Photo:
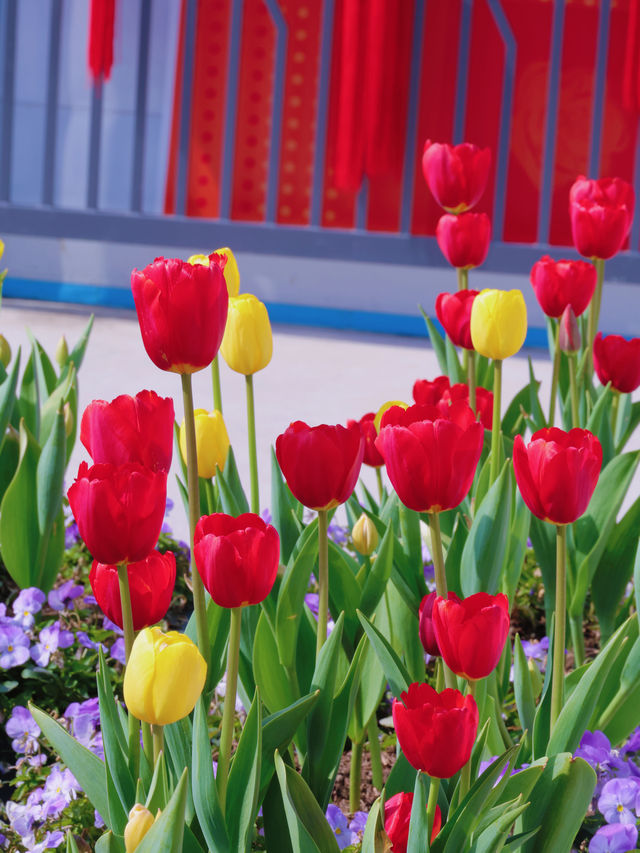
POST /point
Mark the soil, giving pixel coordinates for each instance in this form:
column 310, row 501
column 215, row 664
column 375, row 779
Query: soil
column 368, row 794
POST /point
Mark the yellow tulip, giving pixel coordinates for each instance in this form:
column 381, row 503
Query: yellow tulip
column 231, row 271
column 212, row 442
column 365, row 535
column 1, row 248
column 164, row 677
column 498, row 323
column 140, row 822
column 247, row 344
column 383, row 408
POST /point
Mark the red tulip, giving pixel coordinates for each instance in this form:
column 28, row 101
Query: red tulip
column 118, row 510
column 471, row 632
column 151, row 583
column 237, row 557
column 557, row 472
column 320, row 464
column 130, row 429
column 431, row 453
column 569, row 338
column 427, row 393
column 464, row 239
column 397, row 817
column 561, row 283
column 484, row 401
column 369, row 434
column 425, row 625
column 436, row 731
column 454, row 312
column 617, row 360
column 182, row 311
column 601, row 213
column 456, row 174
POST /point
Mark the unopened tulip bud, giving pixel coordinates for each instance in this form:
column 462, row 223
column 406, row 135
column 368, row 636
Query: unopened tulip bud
column 140, row 822
column 212, row 442
column 365, row 536
column 62, row 351
column 569, row 332
column 5, row 351
column 69, row 420
column 536, row 678
column 247, row 344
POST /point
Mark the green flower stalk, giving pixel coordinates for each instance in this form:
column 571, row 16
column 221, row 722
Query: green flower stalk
column 228, row 716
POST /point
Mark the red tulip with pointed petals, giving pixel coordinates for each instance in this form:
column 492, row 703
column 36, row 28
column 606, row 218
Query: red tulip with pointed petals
column 397, row 818
column 558, row 284
column 369, row 433
column 617, row 360
column 454, row 312
column 456, row 174
column 601, row 213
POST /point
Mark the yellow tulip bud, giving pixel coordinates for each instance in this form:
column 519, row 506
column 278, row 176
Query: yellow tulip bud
column 231, row 271
column 62, row 352
column 212, row 442
column 498, row 323
column 5, row 351
column 247, row 344
column 140, row 822
column 164, row 677
column 1, row 248
column 68, row 419
column 365, row 535
column 383, row 408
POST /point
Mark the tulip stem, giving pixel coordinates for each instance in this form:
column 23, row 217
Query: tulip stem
column 594, row 311
column 158, row 741
column 129, row 635
column 147, row 742
column 615, row 408
column 557, row 683
column 441, row 577
column 463, row 278
column 323, row 578
column 228, row 715
column 575, row 409
column 465, row 773
column 193, row 487
column 355, row 776
column 375, row 754
column 554, row 375
column 253, row 453
column 432, row 802
column 577, row 640
column 215, row 381
column 495, row 428
column 380, row 486
column 471, row 378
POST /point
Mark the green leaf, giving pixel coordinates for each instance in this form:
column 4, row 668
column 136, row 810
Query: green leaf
column 8, row 396
column 558, row 803
column 454, row 368
column 85, row 766
column 486, row 546
column 203, row 786
column 158, row 789
column 291, row 597
column 110, row 843
column 308, row 827
column 453, row 559
column 629, row 427
column 344, row 593
column 522, row 687
column 115, row 740
column 234, row 501
column 271, row 677
column 437, row 342
column 19, row 530
column 593, row 529
column 517, row 545
column 283, row 510
column 373, row 840
column 518, row 415
column 218, row 621
column 72, row 847
column 178, row 739
column 166, row 834
column 418, row 841
column 277, row 733
column 397, row 676
column 244, row 780
column 49, row 486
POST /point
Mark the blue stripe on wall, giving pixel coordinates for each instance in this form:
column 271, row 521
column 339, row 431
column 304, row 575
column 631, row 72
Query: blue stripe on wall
column 279, row 312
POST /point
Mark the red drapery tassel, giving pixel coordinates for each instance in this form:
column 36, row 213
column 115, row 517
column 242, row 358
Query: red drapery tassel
column 100, row 52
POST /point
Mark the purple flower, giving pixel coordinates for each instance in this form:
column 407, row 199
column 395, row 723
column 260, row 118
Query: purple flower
column 14, row 646
column 537, row 650
column 618, row 800
column 71, row 535
column 108, row 625
column 85, row 640
column 90, row 600
column 429, row 573
column 340, row 826
column 21, row 816
column 97, row 820
column 24, row 730
column 614, row 838
column 358, row 823
column 312, row 601
column 595, row 748
column 266, row 516
column 117, row 651
column 50, row 640
column 63, row 596
column 337, row 533
column 28, row 602
column 633, row 744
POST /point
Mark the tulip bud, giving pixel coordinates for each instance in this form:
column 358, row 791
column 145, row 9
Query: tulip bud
column 140, row 822
column 212, row 442
column 536, row 678
column 569, row 333
column 247, row 344
column 164, row 677
column 62, row 352
column 425, row 625
column 498, row 323
column 364, row 536
column 5, row 351
column 69, row 420
column 384, row 408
